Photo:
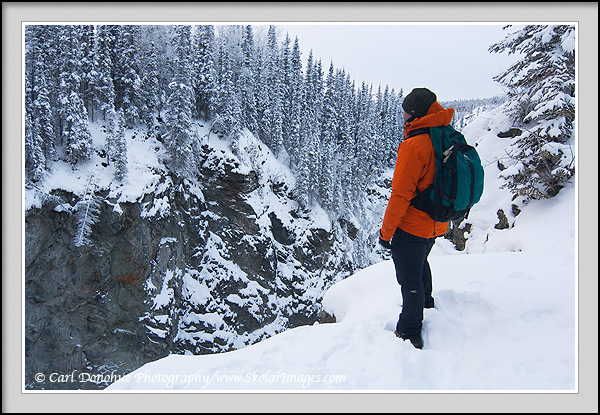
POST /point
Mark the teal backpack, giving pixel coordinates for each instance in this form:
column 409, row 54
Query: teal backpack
column 458, row 182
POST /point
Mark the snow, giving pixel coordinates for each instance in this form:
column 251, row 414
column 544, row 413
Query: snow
column 505, row 316
column 165, row 296
column 144, row 162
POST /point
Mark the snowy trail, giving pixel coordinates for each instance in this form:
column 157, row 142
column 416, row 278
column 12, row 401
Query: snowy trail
column 491, row 330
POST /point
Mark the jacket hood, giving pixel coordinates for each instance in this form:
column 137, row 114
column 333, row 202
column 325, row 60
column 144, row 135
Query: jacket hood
column 436, row 116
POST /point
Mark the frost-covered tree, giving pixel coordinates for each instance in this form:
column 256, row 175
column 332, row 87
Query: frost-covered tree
column 328, row 167
column 307, row 140
column 541, row 102
column 344, row 144
column 294, row 103
column 121, row 148
column 273, row 93
column 116, row 48
column 178, row 109
column 116, row 147
column 246, row 83
column 310, row 136
column 75, row 133
column 87, row 68
column 227, row 105
column 364, row 134
column 103, row 88
column 132, row 95
column 151, row 86
column 43, row 124
column 87, row 211
column 40, row 145
column 397, row 125
column 34, row 153
column 204, row 75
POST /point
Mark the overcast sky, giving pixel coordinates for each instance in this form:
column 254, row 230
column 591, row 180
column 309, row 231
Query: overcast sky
column 450, row 59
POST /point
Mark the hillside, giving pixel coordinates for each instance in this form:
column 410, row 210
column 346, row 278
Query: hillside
column 505, row 316
column 159, row 264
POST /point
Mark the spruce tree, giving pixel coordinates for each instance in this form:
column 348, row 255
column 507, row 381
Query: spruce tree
column 42, row 113
column 364, row 135
column 116, row 147
column 116, row 49
column 294, row 99
column 132, row 100
column 204, row 75
column 228, row 116
column 541, row 102
column 120, row 148
column 38, row 107
column 34, row 154
column 344, row 145
column 87, row 69
column 75, row 133
column 328, row 166
column 178, row 111
column 103, row 88
column 273, row 96
column 246, row 82
column 306, row 155
column 151, row 86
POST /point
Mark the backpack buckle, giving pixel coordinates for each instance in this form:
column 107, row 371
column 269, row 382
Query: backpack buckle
column 448, row 152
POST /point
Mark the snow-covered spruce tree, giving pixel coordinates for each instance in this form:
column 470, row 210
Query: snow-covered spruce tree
column 541, row 102
column 120, row 148
column 132, row 100
column 246, row 83
column 48, row 39
column 40, row 147
column 328, row 167
column 155, row 54
column 204, row 71
column 86, row 40
column 75, row 133
column 293, row 102
column 345, row 144
column 365, row 147
column 87, row 211
column 42, row 113
column 103, row 88
column 397, row 133
column 116, row 147
column 116, row 49
column 151, row 86
column 309, row 148
column 178, row 109
column 273, row 95
column 34, row 154
column 392, row 128
column 227, row 105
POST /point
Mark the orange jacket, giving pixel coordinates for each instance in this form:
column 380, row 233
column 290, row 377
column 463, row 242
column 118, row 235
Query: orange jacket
column 415, row 168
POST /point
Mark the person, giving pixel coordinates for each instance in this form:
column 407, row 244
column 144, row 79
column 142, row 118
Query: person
column 408, row 232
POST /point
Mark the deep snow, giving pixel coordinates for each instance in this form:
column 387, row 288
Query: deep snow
column 505, row 317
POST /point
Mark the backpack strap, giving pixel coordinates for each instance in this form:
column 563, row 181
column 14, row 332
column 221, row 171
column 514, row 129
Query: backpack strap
column 418, row 131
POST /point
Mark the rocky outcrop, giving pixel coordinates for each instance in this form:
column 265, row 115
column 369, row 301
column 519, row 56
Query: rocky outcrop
column 82, row 303
column 190, row 267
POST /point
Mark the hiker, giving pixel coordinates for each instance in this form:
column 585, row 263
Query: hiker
column 410, row 233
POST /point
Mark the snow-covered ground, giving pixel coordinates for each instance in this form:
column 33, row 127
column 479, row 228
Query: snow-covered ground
column 505, row 316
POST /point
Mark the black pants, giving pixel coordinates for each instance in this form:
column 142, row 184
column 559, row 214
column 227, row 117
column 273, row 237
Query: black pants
column 413, row 273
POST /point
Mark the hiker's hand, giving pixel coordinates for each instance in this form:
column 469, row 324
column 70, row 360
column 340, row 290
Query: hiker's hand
column 385, row 244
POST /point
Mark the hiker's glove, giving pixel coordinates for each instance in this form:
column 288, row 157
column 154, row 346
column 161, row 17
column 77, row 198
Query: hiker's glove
column 385, row 244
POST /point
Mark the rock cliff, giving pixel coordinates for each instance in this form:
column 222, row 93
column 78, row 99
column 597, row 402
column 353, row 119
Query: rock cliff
column 205, row 264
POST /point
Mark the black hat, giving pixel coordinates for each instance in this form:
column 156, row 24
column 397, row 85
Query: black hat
column 419, row 100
